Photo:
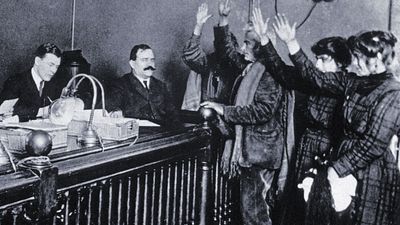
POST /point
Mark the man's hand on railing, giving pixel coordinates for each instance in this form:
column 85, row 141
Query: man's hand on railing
column 219, row 108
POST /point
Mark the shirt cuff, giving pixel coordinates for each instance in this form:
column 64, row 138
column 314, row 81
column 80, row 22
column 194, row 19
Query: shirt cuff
column 342, row 167
column 196, row 38
column 299, row 57
column 228, row 112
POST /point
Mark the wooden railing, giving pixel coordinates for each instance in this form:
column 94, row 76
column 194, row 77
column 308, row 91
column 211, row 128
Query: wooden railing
column 172, row 178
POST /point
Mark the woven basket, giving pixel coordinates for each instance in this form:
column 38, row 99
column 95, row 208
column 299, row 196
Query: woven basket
column 106, row 127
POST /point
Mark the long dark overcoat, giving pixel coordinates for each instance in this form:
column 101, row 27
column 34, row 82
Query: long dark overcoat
column 371, row 113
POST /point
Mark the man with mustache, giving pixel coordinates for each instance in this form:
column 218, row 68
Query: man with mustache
column 139, row 95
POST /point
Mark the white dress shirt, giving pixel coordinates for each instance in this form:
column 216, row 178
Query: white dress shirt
column 36, row 78
column 141, row 81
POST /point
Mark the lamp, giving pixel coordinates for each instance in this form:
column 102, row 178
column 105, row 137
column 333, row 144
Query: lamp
column 62, row 110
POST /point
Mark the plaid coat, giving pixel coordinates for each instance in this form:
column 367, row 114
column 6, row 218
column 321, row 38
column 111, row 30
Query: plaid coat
column 322, row 113
column 371, row 113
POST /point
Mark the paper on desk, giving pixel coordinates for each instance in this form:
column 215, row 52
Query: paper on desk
column 7, row 106
column 146, row 123
column 98, row 117
column 45, row 125
column 11, row 119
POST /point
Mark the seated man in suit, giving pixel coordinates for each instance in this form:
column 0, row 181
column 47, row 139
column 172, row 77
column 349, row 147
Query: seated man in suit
column 33, row 87
column 139, row 95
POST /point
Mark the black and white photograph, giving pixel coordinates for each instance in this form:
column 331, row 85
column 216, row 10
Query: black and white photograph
column 200, row 112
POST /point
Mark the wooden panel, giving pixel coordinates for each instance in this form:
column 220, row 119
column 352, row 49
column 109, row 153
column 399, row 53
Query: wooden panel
column 172, row 179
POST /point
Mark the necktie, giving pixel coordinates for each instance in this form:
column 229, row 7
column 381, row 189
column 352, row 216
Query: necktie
column 145, row 85
column 41, row 88
column 148, row 100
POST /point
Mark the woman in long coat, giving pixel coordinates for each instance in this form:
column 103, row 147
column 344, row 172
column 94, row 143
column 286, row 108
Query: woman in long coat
column 371, row 113
column 321, row 111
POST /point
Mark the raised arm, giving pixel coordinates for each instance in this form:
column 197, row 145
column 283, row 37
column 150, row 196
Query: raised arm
column 225, row 43
column 193, row 55
column 331, row 83
column 284, row 74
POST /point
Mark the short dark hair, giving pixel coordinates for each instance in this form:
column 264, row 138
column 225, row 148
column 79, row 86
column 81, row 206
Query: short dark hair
column 371, row 43
column 136, row 48
column 45, row 48
column 335, row 47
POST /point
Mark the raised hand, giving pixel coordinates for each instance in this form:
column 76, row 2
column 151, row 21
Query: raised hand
column 283, row 29
column 202, row 14
column 260, row 27
column 224, row 8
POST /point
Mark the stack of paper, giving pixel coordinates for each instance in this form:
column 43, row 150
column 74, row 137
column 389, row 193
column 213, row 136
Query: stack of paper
column 7, row 107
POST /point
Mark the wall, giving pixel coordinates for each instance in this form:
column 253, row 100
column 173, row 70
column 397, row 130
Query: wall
column 395, row 21
column 25, row 24
column 337, row 18
column 107, row 30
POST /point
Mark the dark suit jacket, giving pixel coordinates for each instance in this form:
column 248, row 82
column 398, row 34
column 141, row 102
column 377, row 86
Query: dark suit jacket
column 23, row 86
column 129, row 95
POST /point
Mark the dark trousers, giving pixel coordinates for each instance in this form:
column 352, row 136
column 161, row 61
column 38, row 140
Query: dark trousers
column 254, row 185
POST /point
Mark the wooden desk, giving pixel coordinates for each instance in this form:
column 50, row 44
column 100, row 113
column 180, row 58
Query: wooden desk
column 166, row 177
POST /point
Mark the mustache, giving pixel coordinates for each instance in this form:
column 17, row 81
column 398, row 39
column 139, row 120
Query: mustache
column 149, row 68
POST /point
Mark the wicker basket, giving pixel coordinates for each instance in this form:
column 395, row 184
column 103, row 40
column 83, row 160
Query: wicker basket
column 14, row 135
column 5, row 161
column 106, row 127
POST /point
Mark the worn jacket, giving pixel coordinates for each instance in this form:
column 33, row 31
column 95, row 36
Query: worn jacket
column 262, row 120
column 129, row 95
